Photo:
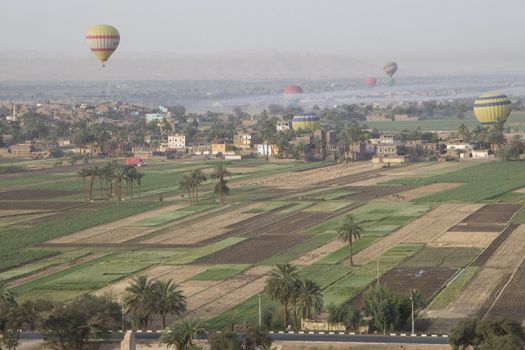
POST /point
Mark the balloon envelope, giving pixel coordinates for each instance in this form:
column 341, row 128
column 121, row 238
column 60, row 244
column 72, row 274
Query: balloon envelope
column 370, row 82
column 103, row 40
column 390, row 68
column 492, row 107
column 306, row 121
column 293, row 89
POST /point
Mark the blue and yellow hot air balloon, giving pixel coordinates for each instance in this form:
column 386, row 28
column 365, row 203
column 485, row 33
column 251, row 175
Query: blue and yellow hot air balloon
column 492, row 108
column 306, row 121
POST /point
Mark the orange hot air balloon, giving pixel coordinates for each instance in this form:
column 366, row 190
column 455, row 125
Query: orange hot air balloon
column 370, row 82
column 103, row 40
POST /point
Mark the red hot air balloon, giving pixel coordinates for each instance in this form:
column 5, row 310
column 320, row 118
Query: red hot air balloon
column 371, row 82
column 293, row 89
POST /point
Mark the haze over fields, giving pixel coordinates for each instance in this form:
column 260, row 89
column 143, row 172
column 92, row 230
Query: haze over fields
column 236, row 39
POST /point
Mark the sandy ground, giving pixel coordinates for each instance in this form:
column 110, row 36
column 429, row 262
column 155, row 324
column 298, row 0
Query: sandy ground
column 309, row 177
column 204, row 229
column 477, row 296
column 104, row 229
column 392, row 174
column 437, row 221
column 213, row 300
column 421, row 230
column 458, row 239
column 423, row 191
column 178, row 273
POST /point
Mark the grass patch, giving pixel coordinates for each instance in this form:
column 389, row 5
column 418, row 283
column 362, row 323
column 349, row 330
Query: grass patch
column 197, row 253
column 441, row 257
column 453, row 289
column 328, row 206
column 351, row 285
column 325, row 275
column 67, row 257
column 16, row 239
column 483, row 181
column 177, row 214
column 342, row 253
column 220, row 272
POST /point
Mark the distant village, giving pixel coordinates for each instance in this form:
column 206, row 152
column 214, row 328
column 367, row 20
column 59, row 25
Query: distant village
column 115, row 129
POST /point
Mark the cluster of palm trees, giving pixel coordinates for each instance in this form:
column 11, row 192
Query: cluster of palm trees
column 110, row 180
column 303, row 296
column 192, row 181
column 144, row 299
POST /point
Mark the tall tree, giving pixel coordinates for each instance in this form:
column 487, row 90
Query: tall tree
column 309, row 298
column 69, row 326
column 168, row 299
column 186, row 184
column 257, row 339
column 180, row 335
column 280, row 286
column 349, row 231
column 138, row 177
column 219, row 174
column 139, row 300
column 197, row 178
column 84, row 173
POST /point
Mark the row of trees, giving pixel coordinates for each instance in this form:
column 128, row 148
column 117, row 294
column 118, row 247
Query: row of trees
column 502, row 334
column 110, row 178
column 193, row 180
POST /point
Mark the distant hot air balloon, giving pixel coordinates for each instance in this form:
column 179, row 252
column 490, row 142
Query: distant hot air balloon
column 103, row 40
column 390, row 68
column 491, row 108
column 293, row 89
column 370, row 82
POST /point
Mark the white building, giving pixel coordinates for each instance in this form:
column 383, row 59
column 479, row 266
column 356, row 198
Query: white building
column 281, row 125
column 177, row 141
column 263, row 150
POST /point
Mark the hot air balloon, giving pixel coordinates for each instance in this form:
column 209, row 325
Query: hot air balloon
column 390, row 68
column 306, row 121
column 293, row 89
column 370, row 82
column 103, row 40
column 491, row 108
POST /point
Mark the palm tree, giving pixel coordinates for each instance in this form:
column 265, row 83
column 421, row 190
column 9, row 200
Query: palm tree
column 118, row 173
column 349, row 231
column 139, row 177
column 131, row 173
column 138, row 299
column 197, row 177
column 168, row 299
column 185, row 184
column 84, row 173
column 219, row 174
column 280, row 286
column 257, row 339
column 180, row 335
column 309, row 298
column 92, row 173
column 5, row 295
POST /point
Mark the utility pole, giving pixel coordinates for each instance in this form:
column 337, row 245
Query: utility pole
column 260, row 320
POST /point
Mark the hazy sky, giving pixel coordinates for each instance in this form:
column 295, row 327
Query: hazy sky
column 369, row 30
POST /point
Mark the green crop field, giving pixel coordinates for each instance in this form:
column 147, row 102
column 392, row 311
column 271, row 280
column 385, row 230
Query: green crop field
column 441, row 257
column 482, row 181
column 220, row 272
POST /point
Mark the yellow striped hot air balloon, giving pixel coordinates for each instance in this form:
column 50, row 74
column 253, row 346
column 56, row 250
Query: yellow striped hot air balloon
column 492, row 108
column 103, row 40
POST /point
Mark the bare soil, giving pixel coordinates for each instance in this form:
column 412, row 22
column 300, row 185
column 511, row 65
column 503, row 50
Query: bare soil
column 254, row 250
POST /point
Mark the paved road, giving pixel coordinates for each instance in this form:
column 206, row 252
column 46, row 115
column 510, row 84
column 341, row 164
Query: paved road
column 344, row 338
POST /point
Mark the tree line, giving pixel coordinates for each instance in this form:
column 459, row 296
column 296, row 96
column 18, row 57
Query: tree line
column 110, row 180
column 191, row 182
